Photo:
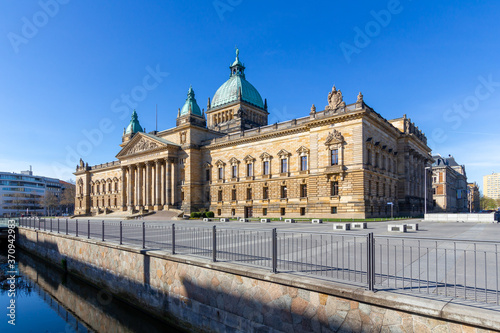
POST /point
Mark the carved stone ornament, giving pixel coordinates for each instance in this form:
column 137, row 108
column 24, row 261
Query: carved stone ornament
column 283, row 153
column 335, row 99
column 249, row 159
column 142, row 145
column 334, row 137
column 183, row 137
column 265, row 156
column 360, row 98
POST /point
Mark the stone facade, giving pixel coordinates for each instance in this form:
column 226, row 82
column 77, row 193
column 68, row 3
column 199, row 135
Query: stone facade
column 449, row 186
column 346, row 161
column 222, row 297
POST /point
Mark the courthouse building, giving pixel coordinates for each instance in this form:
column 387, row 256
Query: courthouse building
column 343, row 160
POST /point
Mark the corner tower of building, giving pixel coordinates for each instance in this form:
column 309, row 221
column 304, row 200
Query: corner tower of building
column 236, row 105
column 133, row 127
column 191, row 112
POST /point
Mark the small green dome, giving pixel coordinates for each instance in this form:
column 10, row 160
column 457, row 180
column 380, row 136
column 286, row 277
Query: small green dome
column 190, row 106
column 134, row 126
column 237, row 87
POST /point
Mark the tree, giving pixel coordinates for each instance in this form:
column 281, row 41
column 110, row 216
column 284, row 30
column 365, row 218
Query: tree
column 68, row 198
column 50, row 201
column 488, row 203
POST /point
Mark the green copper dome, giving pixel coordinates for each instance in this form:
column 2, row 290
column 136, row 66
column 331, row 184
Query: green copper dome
column 190, row 106
column 134, row 125
column 236, row 88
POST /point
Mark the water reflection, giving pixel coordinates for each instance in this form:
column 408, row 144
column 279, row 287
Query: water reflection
column 48, row 300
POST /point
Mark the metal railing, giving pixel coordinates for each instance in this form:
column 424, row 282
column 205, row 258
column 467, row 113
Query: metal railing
column 461, row 269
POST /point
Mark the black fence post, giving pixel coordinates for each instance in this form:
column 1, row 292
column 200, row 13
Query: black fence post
column 121, row 233
column 50, row 225
column 275, row 250
column 370, row 269
column 66, row 226
column 88, row 229
column 76, row 228
column 44, row 224
column 103, row 230
column 57, row 225
column 143, row 235
column 214, row 244
column 173, row 238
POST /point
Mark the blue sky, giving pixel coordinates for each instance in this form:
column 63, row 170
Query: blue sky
column 72, row 71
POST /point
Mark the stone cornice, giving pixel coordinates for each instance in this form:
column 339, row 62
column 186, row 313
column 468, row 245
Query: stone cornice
column 287, row 131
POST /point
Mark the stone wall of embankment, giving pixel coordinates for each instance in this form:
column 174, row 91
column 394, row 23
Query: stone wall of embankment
column 223, row 297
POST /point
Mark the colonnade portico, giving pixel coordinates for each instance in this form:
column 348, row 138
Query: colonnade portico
column 149, row 185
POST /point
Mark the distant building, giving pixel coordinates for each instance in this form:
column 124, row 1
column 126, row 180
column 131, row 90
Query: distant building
column 474, row 197
column 22, row 193
column 449, row 185
column 491, row 185
column 344, row 160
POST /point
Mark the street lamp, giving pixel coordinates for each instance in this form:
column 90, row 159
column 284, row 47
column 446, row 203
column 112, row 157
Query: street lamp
column 392, row 209
column 425, row 189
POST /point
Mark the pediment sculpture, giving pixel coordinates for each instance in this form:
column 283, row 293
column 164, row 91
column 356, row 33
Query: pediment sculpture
column 142, row 145
column 334, row 137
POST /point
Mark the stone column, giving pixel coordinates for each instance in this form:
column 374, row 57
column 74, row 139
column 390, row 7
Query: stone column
column 174, row 172
column 130, row 188
column 122, row 189
column 148, row 185
column 139, row 187
column 162, row 184
column 168, row 183
column 157, row 184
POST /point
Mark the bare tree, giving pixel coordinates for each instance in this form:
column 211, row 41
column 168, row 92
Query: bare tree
column 50, row 201
column 68, row 198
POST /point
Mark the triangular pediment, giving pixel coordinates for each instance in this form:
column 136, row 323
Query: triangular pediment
column 142, row 143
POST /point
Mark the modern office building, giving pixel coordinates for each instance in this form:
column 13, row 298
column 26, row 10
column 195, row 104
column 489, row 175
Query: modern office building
column 22, row 193
column 449, row 185
column 491, row 185
column 345, row 160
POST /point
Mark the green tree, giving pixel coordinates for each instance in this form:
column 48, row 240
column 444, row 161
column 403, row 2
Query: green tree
column 488, row 203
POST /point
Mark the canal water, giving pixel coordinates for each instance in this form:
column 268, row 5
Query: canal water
column 49, row 300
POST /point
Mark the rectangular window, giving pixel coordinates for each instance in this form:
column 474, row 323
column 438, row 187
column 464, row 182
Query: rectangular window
column 334, row 188
column 219, row 212
column 207, row 175
column 334, row 157
column 283, row 191
column 265, row 192
column 233, row 194
column 265, row 167
column 333, row 210
column 303, row 190
column 284, row 165
column 369, row 158
column 208, row 195
column 221, row 173
column 303, row 163
column 234, row 171
column 219, row 196
column 282, row 211
column 249, row 169
column 264, row 211
column 302, row 211
column 377, row 156
column 369, row 187
column 249, row 194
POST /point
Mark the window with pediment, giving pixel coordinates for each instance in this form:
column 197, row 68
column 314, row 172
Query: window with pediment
column 234, row 162
column 303, row 153
column 266, row 164
column 249, row 162
column 220, row 169
column 284, row 161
